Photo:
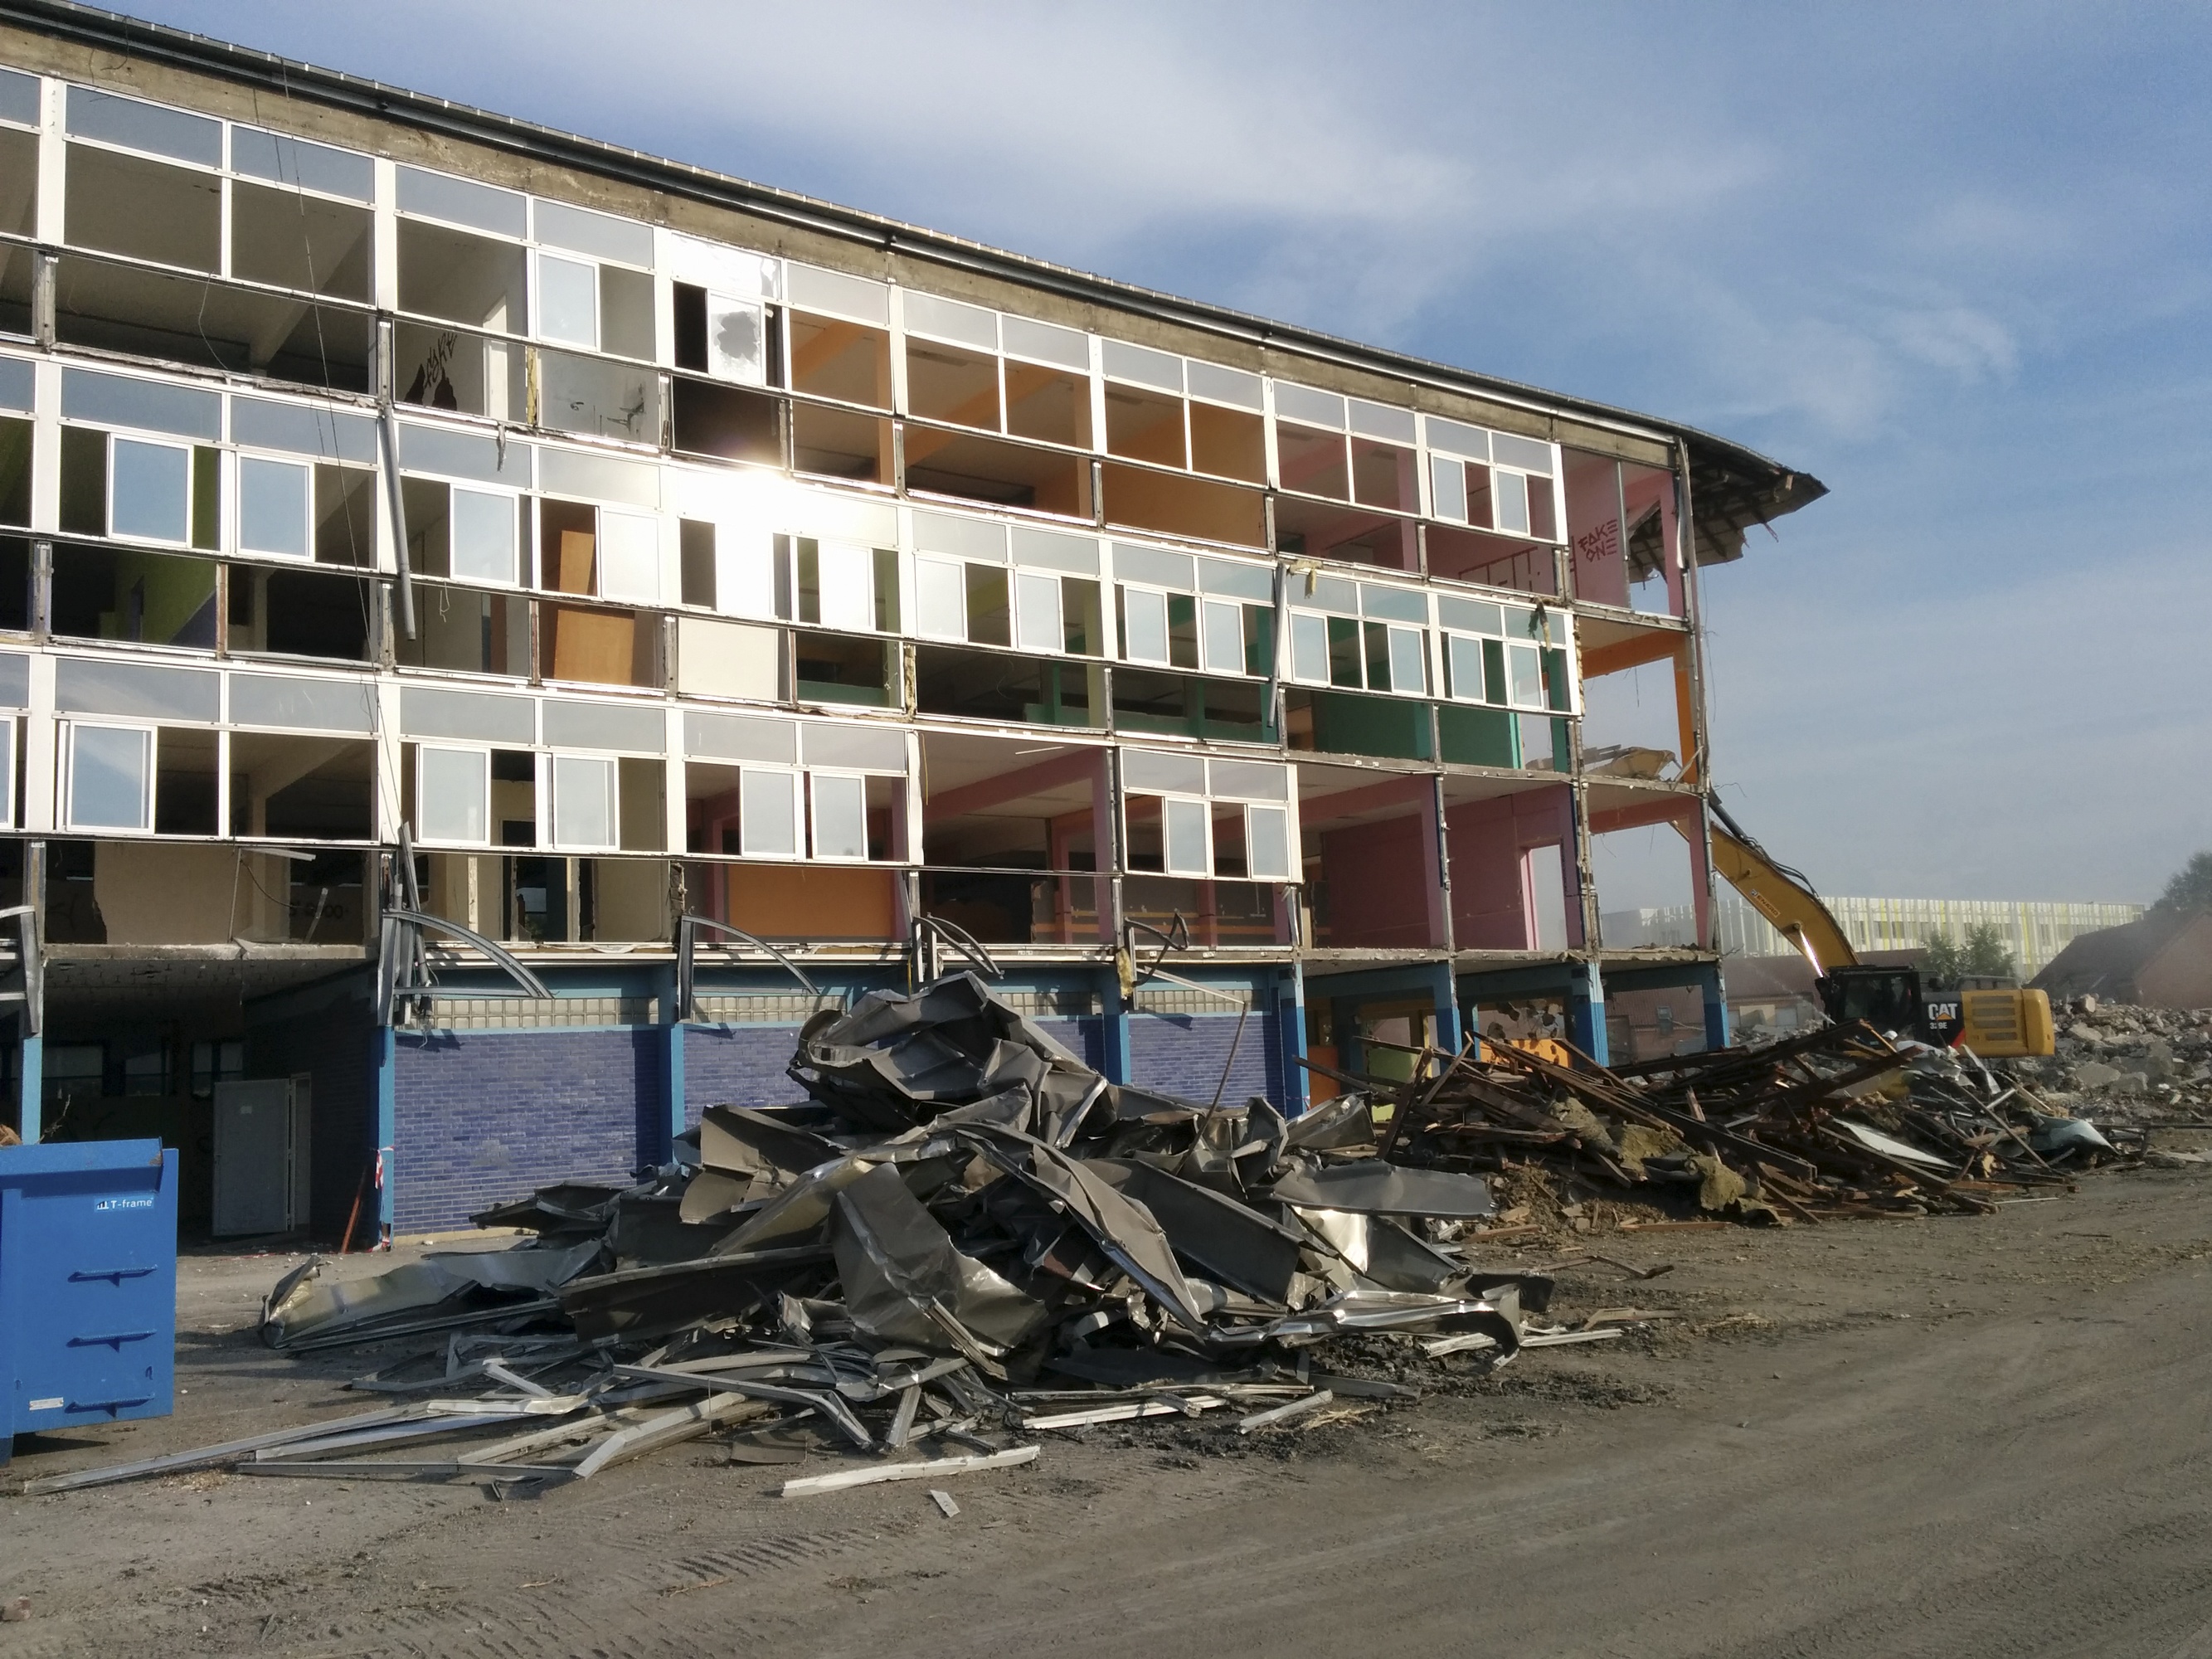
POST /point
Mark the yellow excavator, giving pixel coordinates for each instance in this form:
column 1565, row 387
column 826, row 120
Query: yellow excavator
column 1996, row 1023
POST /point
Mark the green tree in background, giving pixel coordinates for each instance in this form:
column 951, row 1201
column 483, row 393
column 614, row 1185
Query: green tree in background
column 1982, row 954
column 2191, row 890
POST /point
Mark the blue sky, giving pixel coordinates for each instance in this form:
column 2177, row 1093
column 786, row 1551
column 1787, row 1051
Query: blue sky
column 1954, row 261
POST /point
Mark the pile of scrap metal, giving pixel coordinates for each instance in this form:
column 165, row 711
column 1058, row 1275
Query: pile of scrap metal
column 1841, row 1121
column 965, row 1235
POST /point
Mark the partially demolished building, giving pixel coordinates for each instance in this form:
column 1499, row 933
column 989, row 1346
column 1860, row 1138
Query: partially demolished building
column 501, row 629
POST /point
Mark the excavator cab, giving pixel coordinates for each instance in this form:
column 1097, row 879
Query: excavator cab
column 1888, row 998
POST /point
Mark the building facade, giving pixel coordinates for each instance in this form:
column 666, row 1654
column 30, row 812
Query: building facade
column 499, row 629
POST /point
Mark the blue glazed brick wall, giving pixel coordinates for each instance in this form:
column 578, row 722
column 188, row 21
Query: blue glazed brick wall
column 737, row 1065
column 1183, row 1055
column 1085, row 1036
column 488, row 1115
column 336, row 1049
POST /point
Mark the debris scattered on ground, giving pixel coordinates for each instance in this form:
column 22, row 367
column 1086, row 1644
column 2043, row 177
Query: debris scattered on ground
column 962, row 1241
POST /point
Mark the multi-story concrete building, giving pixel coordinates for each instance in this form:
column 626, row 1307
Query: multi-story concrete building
column 500, row 628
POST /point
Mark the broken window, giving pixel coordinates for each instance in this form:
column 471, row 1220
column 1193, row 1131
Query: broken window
column 1320, row 530
column 1310, row 455
column 1492, row 560
column 995, row 470
column 301, row 789
column 462, row 629
column 840, row 443
column 302, row 613
column 997, row 686
column 15, row 583
column 1191, row 705
column 288, row 239
column 15, row 443
column 1171, row 504
column 458, row 276
column 729, row 336
column 124, row 593
column 1354, row 723
column 142, row 208
column 598, row 646
column 838, row 668
column 727, row 421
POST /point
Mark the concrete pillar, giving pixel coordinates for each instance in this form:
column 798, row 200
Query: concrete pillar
column 1586, row 1010
column 1290, row 1033
column 671, row 1070
column 1446, row 1033
column 1715, row 989
column 1116, row 1057
column 32, row 1062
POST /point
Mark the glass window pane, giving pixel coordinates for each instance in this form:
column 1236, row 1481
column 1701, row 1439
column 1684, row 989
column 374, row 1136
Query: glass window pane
column 1146, row 615
column 841, row 817
column 629, row 557
column 583, row 802
column 150, row 492
column 568, row 301
column 109, row 771
column 745, row 571
column 1224, row 638
column 768, row 816
column 453, row 787
column 737, row 340
column 940, row 599
column 272, row 506
column 1465, row 666
column 1187, row 837
column 1408, row 669
column 1037, row 620
column 1267, row 842
column 1528, row 673
column 1448, row 481
column 1509, row 494
column 483, row 532
column 847, row 578
column 1309, row 648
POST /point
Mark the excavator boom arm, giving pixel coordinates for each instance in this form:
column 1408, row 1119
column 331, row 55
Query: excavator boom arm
column 1793, row 907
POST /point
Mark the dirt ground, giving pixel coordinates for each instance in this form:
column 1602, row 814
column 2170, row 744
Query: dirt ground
column 1934, row 1436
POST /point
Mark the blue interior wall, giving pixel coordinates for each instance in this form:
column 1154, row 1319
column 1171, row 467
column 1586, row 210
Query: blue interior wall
column 1184, row 1054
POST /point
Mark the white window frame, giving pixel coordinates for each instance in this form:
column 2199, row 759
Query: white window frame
column 10, row 724
column 539, row 329
column 1296, row 674
column 863, row 557
column 1166, row 658
column 186, row 446
column 253, row 457
column 1290, row 872
column 1027, row 581
column 816, row 776
column 455, row 489
column 422, row 752
column 1451, row 635
column 1208, row 607
column 621, row 590
column 1543, row 703
column 1203, row 807
column 958, row 575
column 1393, row 633
column 608, row 767
column 739, row 545
column 150, row 742
column 747, row 847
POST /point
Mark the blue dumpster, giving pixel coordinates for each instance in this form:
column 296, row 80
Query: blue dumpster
column 88, row 1283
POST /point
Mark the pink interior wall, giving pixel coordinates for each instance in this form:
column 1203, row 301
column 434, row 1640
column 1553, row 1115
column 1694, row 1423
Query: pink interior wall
column 1378, row 879
column 1486, row 839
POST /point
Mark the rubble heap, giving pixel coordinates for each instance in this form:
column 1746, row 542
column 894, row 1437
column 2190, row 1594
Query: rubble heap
column 963, row 1235
column 1840, row 1121
column 2136, row 1062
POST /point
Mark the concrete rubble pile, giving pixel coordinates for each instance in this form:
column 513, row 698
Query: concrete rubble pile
column 964, row 1237
column 1842, row 1122
column 2138, row 1063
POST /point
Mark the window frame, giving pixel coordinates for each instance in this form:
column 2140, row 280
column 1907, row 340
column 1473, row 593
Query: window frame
column 149, row 734
column 816, row 776
column 483, row 753
column 609, row 766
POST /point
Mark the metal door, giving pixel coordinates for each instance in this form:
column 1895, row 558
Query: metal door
column 252, row 1158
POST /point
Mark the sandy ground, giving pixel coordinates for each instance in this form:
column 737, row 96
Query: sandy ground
column 1955, row 1438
